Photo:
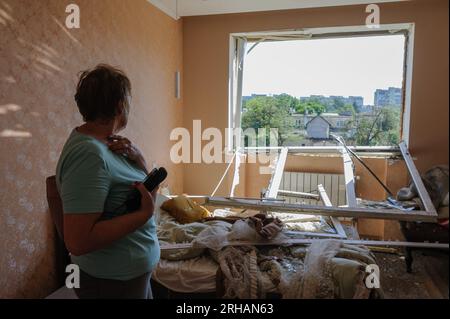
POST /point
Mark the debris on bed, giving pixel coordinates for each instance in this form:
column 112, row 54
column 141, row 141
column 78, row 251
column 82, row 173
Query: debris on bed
column 325, row 269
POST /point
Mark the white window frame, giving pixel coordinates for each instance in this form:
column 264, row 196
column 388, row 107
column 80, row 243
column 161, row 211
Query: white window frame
column 235, row 87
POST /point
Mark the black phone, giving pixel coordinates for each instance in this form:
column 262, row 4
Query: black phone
column 153, row 179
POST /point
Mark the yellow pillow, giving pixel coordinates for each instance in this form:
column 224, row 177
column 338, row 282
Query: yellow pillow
column 185, row 210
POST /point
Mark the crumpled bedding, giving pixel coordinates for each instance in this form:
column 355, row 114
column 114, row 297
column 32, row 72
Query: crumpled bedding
column 240, row 272
column 169, row 231
column 325, row 269
column 331, row 269
column 222, row 233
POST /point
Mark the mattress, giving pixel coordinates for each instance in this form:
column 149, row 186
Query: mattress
column 196, row 275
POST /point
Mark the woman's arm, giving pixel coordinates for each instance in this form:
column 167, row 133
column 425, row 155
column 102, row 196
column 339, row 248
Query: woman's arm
column 85, row 233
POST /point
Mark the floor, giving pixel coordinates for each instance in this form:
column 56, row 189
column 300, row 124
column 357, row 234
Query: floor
column 428, row 280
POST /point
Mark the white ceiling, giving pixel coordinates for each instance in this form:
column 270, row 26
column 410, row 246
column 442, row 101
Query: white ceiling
column 182, row 8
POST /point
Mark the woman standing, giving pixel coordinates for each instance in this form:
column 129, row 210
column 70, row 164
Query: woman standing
column 116, row 252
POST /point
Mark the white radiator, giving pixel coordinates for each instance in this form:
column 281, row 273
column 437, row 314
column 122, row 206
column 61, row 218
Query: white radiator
column 334, row 185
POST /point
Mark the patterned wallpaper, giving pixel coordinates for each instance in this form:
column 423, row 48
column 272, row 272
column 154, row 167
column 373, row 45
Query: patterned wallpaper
column 39, row 62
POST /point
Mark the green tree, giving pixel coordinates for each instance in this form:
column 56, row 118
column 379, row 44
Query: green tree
column 381, row 129
column 312, row 106
column 287, row 102
column 336, row 105
column 346, row 109
column 266, row 113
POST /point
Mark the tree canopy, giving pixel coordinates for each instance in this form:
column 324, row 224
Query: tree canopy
column 268, row 112
column 311, row 107
column 346, row 109
column 382, row 129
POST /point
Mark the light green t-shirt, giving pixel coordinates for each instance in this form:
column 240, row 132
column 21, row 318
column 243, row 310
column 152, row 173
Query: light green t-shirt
column 92, row 179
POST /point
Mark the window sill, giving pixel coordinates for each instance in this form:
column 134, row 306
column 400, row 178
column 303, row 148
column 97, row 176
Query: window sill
column 364, row 151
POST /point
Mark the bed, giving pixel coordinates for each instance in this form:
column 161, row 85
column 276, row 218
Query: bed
column 266, row 270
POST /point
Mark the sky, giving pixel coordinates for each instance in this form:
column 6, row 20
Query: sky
column 348, row 66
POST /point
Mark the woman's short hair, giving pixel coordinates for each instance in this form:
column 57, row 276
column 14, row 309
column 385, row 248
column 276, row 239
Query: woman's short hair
column 102, row 93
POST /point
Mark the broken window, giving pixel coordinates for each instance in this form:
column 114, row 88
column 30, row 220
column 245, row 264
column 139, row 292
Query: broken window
column 314, row 84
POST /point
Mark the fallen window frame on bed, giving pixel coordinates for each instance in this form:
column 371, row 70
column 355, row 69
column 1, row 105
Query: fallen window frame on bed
column 428, row 214
column 274, row 190
column 308, row 241
column 266, row 204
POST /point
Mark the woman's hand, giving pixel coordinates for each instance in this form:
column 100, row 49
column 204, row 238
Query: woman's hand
column 123, row 146
column 147, row 199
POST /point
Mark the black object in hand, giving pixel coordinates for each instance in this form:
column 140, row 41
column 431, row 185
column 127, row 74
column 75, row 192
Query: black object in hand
column 156, row 176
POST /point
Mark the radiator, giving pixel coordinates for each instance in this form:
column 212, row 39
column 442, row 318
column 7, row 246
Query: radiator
column 334, row 185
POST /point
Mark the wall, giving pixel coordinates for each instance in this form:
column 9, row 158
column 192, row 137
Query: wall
column 39, row 62
column 205, row 54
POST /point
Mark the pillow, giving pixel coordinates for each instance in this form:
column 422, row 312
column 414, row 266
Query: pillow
column 185, row 210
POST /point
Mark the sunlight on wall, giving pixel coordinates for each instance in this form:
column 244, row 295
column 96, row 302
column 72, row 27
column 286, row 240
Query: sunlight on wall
column 9, row 108
column 14, row 133
column 5, row 14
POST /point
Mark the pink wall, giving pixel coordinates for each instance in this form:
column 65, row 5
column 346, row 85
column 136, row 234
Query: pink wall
column 39, row 62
